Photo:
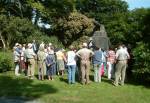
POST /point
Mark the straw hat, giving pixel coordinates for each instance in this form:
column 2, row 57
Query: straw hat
column 29, row 45
column 84, row 44
column 17, row 44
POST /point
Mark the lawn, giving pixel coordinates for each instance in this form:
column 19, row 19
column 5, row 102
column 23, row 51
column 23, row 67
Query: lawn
column 58, row 91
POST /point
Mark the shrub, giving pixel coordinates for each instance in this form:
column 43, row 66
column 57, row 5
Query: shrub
column 6, row 62
column 141, row 67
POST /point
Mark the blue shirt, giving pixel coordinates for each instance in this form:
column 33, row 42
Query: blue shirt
column 97, row 57
column 50, row 60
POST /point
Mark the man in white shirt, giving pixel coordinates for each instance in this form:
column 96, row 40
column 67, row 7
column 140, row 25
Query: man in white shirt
column 121, row 56
column 30, row 56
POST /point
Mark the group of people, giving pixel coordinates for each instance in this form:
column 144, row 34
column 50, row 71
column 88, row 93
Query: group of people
column 112, row 63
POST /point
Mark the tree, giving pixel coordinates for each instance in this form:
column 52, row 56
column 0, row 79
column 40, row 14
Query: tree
column 72, row 27
column 111, row 13
column 15, row 29
column 3, row 24
column 140, row 39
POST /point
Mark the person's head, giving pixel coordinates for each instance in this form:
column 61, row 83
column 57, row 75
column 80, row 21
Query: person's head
column 29, row 45
column 123, row 46
column 120, row 46
column 17, row 44
column 111, row 47
column 33, row 41
column 24, row 45
column 50, row 44
column 20, row 46
column 41, row 47
column 50, row 51
column 14, row 48
column 97, row 48
column 84, row 45
column 71, row 47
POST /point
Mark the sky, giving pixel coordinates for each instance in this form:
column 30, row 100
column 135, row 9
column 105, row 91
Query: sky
column 138, row 4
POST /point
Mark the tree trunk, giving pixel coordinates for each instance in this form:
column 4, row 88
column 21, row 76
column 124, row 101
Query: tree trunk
column 3, row 42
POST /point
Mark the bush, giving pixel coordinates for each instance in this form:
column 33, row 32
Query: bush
column 141, row 67
column 78, row 43
column 6, row 62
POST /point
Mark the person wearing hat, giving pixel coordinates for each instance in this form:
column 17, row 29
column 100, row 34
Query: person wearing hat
column 30, row 57
column 85, row 54
column 50, row 64
column 34, row 46
column 41, row 61
column 60, row 61
column 16, row 56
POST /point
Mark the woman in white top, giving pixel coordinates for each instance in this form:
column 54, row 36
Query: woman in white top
column 16, row 61
column 71, row 64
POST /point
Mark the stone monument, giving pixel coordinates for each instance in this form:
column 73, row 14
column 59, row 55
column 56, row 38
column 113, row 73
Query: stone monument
column 100, row 38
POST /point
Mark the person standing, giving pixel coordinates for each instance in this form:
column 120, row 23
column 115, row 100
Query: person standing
column 111, row 59
column 34, row 47
column 85, row 54
column 22, row 62
column 71, row 64
column 121, row 56
column 41, row 61
column 50, row 64
column 104, row 61
column 97, row 61
column 30, row 56
column 16, row 56
column 60, row 62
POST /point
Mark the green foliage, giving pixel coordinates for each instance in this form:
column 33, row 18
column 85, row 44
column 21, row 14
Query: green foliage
column 112, row 13
column 19, row 28
column 6, row 62
column 136, row 25
column 72, row 27
column 46, row 39
column 142, row 61
column 102, row 6
column 78, row 43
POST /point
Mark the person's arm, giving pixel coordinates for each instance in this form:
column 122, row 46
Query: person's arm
column 92, row 53
column 64, row 57
column 116, row 55
column 128, row 56
column 48, row 61
column 78, row 54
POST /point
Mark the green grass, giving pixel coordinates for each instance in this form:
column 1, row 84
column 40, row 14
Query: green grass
column 58, row 91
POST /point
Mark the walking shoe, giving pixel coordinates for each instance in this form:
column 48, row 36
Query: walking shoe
column 17, row 74
column 115, row 84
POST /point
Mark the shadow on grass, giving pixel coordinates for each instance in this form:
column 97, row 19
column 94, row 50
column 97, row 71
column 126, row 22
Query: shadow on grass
column 138, row 82
column 63, row 80
column 106, row 80
column 12, row 87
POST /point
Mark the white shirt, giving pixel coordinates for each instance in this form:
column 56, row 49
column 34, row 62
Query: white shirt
column 71, row 58
column 122, row 54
